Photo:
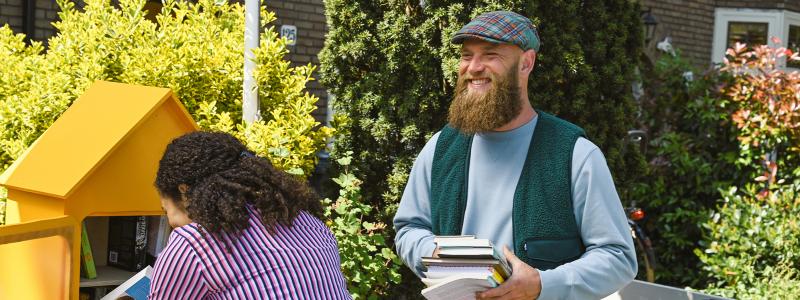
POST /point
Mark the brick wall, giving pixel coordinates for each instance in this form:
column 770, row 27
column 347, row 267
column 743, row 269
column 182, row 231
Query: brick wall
column 307, row 15
column 793, row 5
column 46, row 12
column 309, row 18
column 11, row 13
column 690, row 24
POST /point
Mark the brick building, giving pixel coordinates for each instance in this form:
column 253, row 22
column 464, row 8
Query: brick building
column 33, row 18
column 703, row 29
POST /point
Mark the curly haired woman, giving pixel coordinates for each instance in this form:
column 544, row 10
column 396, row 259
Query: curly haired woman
column 243, row 229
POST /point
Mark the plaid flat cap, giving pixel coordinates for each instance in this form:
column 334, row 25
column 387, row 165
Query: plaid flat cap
column 500, row 27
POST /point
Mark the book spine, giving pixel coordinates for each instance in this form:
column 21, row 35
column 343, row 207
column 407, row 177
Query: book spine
column 86, row 255
column 498, row 254
column 140, row 250
column 492, row 282
column 497, row 277
column 500, row 269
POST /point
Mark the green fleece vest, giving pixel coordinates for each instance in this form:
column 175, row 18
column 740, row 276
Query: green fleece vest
column 545, row 232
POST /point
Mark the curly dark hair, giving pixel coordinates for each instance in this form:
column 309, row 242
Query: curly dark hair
column 223, row 177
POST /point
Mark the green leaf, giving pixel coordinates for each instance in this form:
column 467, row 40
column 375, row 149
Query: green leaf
column 344, row 161
column 296, row 171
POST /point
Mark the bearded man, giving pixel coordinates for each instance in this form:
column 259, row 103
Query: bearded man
column 522, row 178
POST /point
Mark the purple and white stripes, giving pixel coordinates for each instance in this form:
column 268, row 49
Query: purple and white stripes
column 297, row 262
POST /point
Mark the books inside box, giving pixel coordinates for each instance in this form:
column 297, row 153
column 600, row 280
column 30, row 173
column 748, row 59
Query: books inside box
column 115, row 247
column 127, row 242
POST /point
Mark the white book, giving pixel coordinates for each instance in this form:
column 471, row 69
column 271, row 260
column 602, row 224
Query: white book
column 475, row 252
column 485, row 270
column 136, row 287
column 452, row 237
column 456, row 287
column 450, row 243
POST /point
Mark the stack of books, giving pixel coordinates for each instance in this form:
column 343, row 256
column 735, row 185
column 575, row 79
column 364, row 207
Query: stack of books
column 465, row 265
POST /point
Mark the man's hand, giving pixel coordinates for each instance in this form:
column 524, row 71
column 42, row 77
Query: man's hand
column 524, row 282
column 435, row 252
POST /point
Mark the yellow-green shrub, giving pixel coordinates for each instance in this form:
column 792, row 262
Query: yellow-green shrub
column 194, row 49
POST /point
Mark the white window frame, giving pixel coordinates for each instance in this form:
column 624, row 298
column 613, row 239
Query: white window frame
column 778, row 21
column 790, row 19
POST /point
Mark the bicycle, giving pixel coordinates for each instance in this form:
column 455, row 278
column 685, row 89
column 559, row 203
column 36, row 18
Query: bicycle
column 643, row 243
column 635, row 214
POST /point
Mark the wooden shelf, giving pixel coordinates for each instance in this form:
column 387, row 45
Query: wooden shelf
column 107, row 276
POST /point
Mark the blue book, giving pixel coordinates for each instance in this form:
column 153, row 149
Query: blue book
column 137, row 287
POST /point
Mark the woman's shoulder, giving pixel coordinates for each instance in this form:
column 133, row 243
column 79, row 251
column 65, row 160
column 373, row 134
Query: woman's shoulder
column 303, row 218
column 189, row 233
column 307, row 219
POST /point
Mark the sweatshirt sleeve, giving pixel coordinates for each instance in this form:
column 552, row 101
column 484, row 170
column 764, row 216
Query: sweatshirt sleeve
column 414, row 238
column 609, row 262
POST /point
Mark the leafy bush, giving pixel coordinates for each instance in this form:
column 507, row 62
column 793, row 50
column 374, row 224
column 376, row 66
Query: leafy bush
column 752, row 243
column 194, row 48
column 752, row 247
column 691, row 154
column 367, row 261
column 766, row 99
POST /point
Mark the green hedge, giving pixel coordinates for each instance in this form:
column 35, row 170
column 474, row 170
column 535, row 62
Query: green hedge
column 370, row 266
column 692, row 154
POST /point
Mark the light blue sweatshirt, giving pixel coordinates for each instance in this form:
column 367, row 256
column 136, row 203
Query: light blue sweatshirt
column 496, row 160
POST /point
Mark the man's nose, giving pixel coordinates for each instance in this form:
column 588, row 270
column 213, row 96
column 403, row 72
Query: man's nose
column 475, row 66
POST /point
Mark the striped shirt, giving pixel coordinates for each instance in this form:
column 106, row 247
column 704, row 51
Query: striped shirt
column 296, row 262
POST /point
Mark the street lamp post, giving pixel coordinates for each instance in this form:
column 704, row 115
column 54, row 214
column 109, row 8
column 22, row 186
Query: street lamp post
column 250, row 112
column 650, row 24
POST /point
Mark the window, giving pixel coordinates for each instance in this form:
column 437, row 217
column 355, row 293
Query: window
column 755, row 27
column 793, row 43
column 749, row 33
column 751, row 26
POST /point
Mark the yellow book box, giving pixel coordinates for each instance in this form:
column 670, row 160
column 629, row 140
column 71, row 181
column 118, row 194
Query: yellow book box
column 98, row 159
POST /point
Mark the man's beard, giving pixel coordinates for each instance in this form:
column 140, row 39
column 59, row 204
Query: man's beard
column 473, row 112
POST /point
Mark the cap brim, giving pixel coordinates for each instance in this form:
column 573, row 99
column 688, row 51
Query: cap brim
column 459, row 38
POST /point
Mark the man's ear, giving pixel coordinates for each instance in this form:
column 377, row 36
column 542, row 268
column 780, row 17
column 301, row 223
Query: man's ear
column 528, row 60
